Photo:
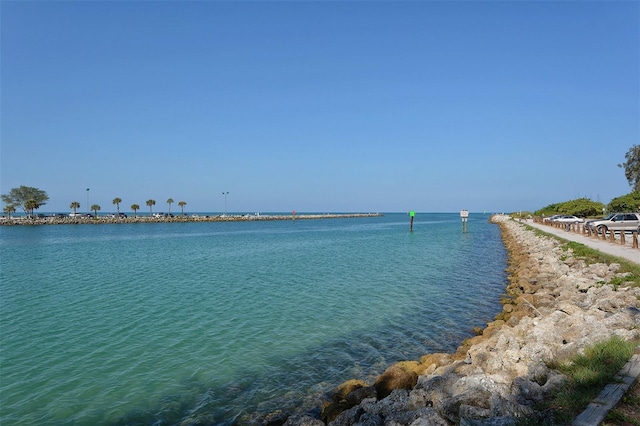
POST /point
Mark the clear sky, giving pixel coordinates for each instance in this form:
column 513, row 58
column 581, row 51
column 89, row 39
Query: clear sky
column 319, row 106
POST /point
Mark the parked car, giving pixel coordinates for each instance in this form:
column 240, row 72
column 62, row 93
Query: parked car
column 591, row 224
column 76, row 214
column 158, row 215
column 567, row 219
column 624, row 222
column 120, row 215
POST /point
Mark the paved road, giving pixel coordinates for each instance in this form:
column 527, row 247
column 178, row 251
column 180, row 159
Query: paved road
column 614, row 249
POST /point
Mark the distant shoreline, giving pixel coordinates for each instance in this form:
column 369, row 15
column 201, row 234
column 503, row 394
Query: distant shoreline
column 66, row 220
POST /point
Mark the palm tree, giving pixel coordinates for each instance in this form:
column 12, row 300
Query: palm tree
column 135, row 209
column 75, row 205
column 170, row 201
column 151, row 203
column 117, row 202
column 182, row 204
column 30, row 206
column 95, row 209
column 8, row 209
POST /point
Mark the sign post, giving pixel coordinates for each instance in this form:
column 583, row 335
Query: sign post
column 464, row 214
column 411, row 214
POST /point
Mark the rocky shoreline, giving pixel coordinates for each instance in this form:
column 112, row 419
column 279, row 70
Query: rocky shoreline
column 66, row 220
column 554, row 307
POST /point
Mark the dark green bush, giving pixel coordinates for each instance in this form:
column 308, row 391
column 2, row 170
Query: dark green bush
column 625, row 203
column 581, row 207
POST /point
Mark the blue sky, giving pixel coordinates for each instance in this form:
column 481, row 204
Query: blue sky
column 319, row 106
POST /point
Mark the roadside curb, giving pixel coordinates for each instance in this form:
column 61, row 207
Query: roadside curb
column 597, row 410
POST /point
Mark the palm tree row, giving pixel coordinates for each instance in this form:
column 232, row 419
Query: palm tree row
column 135, row 207
column 76, row 205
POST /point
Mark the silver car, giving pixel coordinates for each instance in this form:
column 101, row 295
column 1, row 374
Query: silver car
column 591, row 224
column 565, row 218
column 625, row 222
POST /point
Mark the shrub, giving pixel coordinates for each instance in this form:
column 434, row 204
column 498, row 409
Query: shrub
column 581, row 207
column 625, row 203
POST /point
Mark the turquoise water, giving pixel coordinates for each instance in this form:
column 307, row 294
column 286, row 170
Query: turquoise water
column 161, row 322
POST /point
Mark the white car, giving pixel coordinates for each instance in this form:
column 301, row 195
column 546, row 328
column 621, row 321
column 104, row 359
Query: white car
column 568, row 219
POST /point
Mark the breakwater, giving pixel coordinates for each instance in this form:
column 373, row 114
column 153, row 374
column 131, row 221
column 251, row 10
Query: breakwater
column 67, row 220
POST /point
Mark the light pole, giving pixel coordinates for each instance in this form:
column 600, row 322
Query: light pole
column 87, row 200
column 225, row 202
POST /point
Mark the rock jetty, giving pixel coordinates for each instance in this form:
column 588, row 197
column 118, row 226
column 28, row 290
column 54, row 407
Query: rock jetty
column 67, row 220
column 554, row 307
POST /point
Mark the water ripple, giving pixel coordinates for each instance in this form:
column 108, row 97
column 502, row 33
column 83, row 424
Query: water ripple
column 134, row 324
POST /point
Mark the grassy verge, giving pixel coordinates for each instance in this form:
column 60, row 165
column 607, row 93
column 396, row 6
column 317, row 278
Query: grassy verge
column 586, row 376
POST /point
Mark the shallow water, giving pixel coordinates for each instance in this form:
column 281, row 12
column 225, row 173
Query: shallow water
column 154, row 323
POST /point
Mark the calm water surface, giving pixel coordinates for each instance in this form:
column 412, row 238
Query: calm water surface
column 157, row 323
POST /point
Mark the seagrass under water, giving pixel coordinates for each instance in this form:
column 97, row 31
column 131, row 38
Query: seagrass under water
column 155, row 323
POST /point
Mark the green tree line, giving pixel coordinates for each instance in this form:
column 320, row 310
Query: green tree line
column 29, row 199
column 584, row 207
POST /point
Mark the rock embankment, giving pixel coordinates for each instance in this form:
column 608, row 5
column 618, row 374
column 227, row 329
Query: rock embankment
column 554, row 307
column 66, row 220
